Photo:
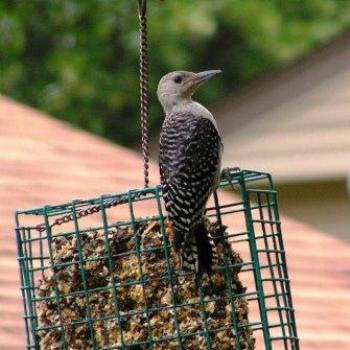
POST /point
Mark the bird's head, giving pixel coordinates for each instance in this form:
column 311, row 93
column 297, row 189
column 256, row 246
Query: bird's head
column 178, row 87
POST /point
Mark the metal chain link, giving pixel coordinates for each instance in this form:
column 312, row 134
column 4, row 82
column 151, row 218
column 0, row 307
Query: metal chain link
column 144, row 88
column 89, row 211
column 144, row 128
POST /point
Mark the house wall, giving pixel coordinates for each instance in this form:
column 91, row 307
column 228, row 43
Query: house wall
column 325, row 205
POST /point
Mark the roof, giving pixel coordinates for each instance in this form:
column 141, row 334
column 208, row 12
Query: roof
column 46, row 161
column 294, row 122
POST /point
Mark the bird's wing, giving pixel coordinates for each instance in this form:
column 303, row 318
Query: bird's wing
column 190, row 151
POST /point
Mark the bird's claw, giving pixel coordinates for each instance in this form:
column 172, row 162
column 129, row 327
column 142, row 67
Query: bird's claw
column 226, row 171
column 225, row 174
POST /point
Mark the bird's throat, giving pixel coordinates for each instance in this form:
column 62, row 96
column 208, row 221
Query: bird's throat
column 177, row 105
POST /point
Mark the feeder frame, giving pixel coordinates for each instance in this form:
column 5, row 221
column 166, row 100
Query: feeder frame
column 262, row 239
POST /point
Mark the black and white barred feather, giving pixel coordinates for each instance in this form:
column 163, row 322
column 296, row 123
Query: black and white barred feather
column 190, row 157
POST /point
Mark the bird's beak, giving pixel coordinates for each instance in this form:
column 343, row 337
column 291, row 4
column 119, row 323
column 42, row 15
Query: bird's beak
column 200, row 78
column 206, row 75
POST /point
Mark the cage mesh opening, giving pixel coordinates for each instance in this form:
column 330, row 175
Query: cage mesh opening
column 111, row 280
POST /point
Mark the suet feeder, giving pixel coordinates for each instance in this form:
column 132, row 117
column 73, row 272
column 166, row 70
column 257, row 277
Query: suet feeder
column 99, row 274
column 101, row 282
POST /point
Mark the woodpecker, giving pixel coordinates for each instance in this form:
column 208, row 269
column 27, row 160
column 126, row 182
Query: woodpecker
column 190, row 166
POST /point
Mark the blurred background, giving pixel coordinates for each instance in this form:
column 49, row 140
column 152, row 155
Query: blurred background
column 283, row 104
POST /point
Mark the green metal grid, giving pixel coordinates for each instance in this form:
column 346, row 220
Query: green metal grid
column 259, row 235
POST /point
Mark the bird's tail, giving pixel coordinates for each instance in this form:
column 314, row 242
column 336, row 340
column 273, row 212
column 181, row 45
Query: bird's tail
column 198, row 252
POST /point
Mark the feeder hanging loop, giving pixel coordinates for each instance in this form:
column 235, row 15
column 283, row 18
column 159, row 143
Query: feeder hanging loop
column 144, row 88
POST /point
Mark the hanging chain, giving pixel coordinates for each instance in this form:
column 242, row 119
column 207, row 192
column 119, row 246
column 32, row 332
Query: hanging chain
column 89, row 211
column 144, row 88
column 144, row 128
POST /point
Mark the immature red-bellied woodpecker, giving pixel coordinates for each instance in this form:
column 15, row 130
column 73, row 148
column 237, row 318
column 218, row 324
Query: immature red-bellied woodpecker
column 190, row 165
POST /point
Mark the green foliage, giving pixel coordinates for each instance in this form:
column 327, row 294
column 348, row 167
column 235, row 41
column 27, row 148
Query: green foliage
column 78, row 59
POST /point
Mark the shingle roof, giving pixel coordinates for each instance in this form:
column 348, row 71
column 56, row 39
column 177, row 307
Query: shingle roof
column 46, row 161
column 294, row 122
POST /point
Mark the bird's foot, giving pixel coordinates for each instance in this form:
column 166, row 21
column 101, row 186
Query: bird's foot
column 226, row 171
column 225, row 174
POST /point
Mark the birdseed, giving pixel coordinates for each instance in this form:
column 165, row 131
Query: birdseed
column 158, row 307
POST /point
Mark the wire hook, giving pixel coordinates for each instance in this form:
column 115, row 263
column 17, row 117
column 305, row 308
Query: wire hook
column 142, row 7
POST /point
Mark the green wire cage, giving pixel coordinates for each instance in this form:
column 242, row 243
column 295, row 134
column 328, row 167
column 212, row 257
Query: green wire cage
column 94, row 277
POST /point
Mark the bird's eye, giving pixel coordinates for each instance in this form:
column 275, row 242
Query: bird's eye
column 178, row 79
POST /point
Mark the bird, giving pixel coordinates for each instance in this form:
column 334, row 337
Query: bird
column 190, row 152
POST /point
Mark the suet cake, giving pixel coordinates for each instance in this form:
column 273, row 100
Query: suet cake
column 161, row 308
